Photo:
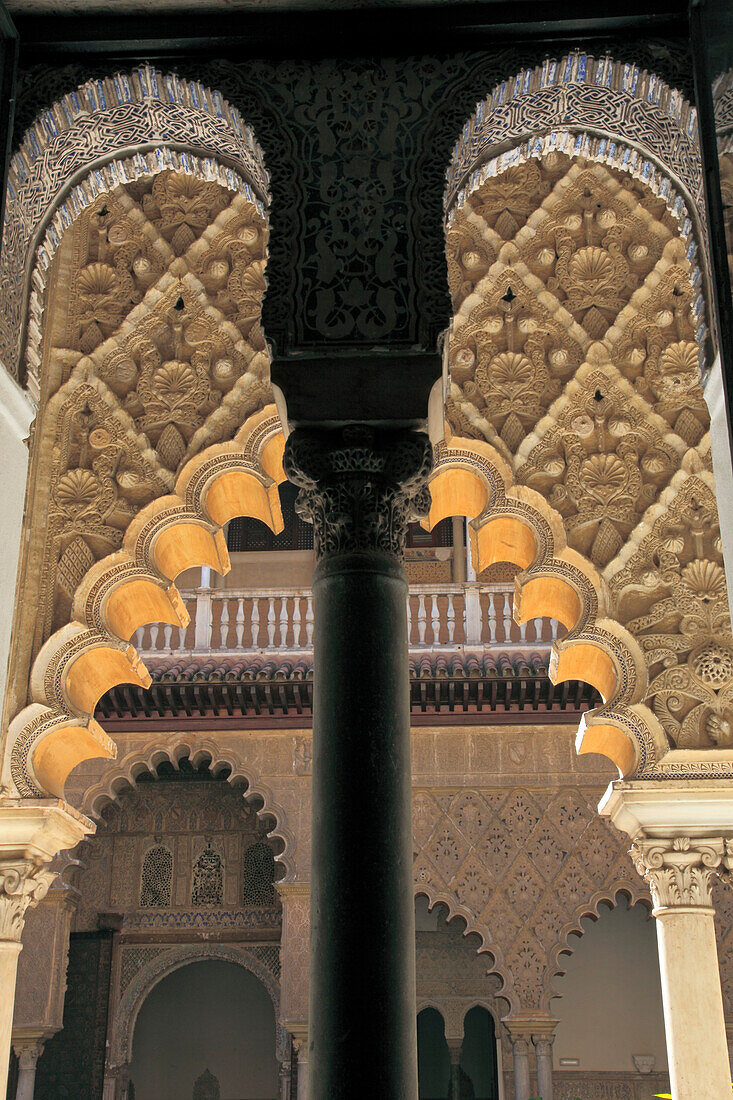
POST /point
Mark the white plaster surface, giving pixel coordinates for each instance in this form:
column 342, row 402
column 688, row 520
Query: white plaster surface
column 16, row 414
column 722, row 465
column 610, row 1006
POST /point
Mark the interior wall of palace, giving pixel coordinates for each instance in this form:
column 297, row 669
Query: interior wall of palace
column 509, row 852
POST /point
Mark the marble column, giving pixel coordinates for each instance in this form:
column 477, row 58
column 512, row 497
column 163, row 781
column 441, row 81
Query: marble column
column 27, row 1051
column 22, row 883
column 32, row 832
column 679, row 871
column 360, row 487
column 300, row 1044
column 520, row 1052
column 543, row 1053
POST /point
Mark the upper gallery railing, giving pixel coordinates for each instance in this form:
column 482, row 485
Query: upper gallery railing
column 444, row 616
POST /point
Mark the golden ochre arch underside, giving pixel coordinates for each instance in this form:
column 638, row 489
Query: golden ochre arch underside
column 135, row 586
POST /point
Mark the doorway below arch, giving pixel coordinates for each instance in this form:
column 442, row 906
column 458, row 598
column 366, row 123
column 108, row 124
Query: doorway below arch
column 477, row 1077
column 210, row 1016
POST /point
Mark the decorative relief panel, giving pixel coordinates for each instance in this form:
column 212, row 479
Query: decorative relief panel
column 522, row 867
column 670, row 591
column 159, row 859
column 153, row 350
column 578, row 352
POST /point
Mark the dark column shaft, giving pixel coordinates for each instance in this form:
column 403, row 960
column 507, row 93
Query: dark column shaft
column 362, row 1015
column 359, row 490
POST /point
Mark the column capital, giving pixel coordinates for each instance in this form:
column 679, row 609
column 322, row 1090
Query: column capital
column 32, row 832
column 359, row 486
column 22, row 883
column 28, row 1050
column 679, row 870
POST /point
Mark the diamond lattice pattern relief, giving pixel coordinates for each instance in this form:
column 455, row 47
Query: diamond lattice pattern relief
column 522, row 867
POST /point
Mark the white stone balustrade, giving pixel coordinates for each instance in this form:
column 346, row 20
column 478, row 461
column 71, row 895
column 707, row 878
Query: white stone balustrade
column 447, row 616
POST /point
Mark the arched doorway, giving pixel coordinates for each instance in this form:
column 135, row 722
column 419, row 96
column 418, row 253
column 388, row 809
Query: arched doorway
column 457, row 1072
column 433, row 1058
column 609, row 1004
column 209, row 1015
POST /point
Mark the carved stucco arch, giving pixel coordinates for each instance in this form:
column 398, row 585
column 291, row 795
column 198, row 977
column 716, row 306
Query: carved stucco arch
column 123, row 776
column 607, row 112
column 125, row 1015
column 488, row 946
column 608, row 897
column 95, row 138
column 512, row 523
column 131, row 587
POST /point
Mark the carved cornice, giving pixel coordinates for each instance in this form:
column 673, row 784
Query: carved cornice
column 680, row 870
column 359, row 487
column 22, row 884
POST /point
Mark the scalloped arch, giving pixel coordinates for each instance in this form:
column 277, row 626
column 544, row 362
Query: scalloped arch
column 511, row 523
column 130, row 588
column 198, row 750
column 609, row 896
column 105, row 133
column 499, row 966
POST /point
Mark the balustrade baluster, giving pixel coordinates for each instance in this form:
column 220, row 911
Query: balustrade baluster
column 409, row 620
column 538, row 630
column 271, row 622
column 492, row 617
column 422, row 620
column 137, row 638
column 296, row 621
column 255, row 622
column 435, row 618
column 224, row 626
column 508, row 619
column 154, row 631
column 239, row 622
column 283, row 621
column 309, row 622
column 451, row 619
column 522, row 631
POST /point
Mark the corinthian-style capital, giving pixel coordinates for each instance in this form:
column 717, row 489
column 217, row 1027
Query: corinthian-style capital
column 680, row 870
column 360, row 487
column 21, row 884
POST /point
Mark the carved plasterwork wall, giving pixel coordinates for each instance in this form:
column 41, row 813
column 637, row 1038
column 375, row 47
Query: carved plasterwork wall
column 577, row 350
column 154, row 352
column 188, row 819
column 522, row 867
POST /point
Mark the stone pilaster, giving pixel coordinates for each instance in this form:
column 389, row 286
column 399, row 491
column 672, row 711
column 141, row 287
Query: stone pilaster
column 32, row 832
